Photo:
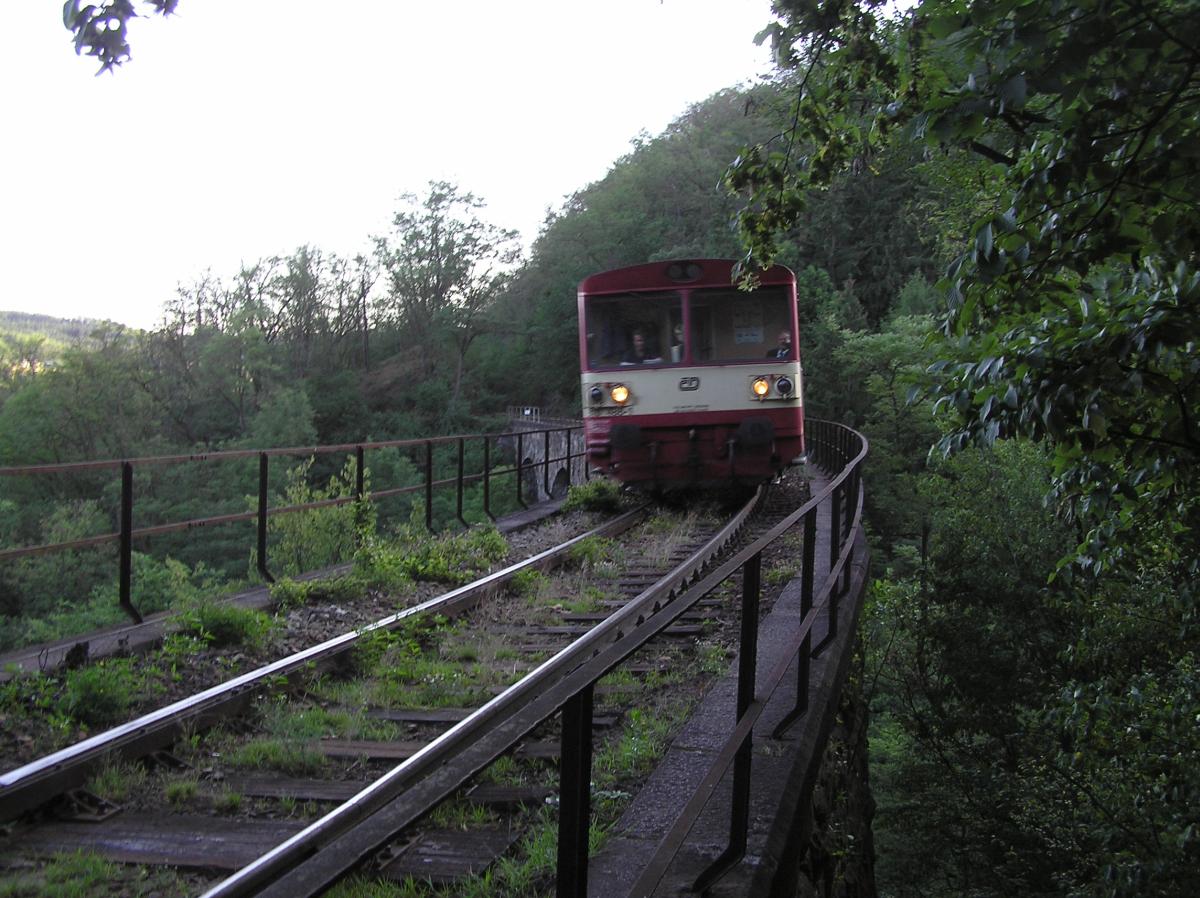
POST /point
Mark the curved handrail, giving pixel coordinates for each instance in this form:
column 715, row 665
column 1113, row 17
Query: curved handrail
column 563, row 680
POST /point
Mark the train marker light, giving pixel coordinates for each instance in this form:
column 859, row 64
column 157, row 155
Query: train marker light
column 760, row 387
column 619, row 393
column 596, row 394
column 784, row 385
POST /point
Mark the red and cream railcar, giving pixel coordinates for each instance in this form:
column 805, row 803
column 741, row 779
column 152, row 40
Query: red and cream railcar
column 688, row 379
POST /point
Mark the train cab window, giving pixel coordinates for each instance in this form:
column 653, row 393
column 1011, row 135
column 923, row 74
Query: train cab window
column 635, row 329
column 733, row 325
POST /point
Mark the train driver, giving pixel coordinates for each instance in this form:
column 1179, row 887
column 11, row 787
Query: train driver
column 639, row 353
column 783, row 350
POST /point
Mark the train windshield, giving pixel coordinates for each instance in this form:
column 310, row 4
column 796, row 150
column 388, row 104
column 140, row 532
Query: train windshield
column 725, row 325
column 730, row 325
column 635, row 329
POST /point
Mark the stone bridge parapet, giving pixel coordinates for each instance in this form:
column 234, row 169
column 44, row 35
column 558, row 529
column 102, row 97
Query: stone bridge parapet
column 549, row 451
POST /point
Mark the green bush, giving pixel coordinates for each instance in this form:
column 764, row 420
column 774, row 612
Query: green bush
column 527, row 582
column 418, row 555
column 319, row 537
column 595, row 495
column 225, row 624
column 102, row 694
column 288, row 593
column 594, row 550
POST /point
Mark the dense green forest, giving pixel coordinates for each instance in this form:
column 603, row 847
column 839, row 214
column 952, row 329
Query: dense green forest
column 991, row 210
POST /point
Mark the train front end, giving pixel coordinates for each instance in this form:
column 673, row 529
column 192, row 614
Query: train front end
column 687, row 379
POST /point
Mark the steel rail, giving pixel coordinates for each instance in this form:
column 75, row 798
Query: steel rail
column 312, row 860
column 316, row 873
column 26, row 787
column 472, row 743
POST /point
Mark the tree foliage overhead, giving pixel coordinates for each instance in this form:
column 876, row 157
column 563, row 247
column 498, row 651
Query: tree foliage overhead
column 101, row 30
column 1047, row 726
column 1076, row 299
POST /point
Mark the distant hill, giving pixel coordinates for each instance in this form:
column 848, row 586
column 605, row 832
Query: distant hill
column 65, row 330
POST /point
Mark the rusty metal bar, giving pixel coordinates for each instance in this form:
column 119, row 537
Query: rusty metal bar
column 574, row 791
column 487, row 479
column 160, row 529
column 125, row 564
column 225, row 454
column 262, row 518
column 126, row 533
column 360, row 486
column 85, row 543
column 520, row 468
column 429, row 486
column 458, row 506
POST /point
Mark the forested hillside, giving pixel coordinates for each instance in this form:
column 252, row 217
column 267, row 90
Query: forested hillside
column 57, row 329
column 991, row 210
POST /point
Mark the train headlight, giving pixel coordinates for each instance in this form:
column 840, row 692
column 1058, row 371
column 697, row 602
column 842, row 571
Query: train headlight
column 596, row 394
column 619, row 393
column 761, row 387
column 785, row 386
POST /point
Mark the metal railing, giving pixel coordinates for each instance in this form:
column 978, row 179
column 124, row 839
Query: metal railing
column 126, row 533
column 312, row 859
column 836, row 449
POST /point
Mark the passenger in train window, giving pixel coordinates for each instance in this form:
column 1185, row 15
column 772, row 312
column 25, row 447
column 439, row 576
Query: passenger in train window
column 640, row 353
column 783, row 349
column 677, row 344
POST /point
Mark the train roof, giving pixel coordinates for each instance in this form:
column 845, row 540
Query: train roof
column 676, row 273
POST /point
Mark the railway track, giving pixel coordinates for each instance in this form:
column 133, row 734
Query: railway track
column 334, row 759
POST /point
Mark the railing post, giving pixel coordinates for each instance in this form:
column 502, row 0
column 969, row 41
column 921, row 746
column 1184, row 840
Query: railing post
column 487, row 479
column 739, row 817
column 835, row 524
column 809, row 562
column 126, row 548
column 546, row 464
column 459, row 502
column 804, row 657
column 360, row 488
column 574, row 796
column 569, row 457
column 429, row 486
column 520, row 468
column 853, row 485
column 262, row 518
column 835, row 549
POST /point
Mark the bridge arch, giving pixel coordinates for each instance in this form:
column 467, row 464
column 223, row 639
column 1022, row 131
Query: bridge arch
column 550, row 450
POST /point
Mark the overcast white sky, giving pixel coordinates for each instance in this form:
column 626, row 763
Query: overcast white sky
column 245, row 128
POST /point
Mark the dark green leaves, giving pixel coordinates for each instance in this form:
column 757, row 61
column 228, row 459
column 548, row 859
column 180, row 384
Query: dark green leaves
column 100, row 31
